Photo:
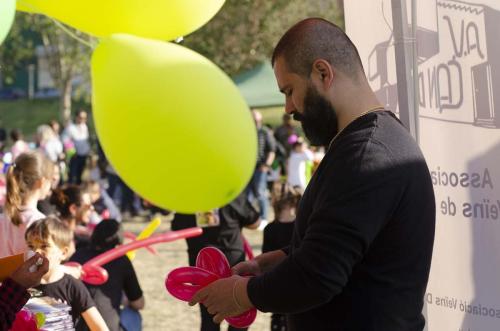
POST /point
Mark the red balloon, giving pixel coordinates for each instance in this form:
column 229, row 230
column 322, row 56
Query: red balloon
column 184, row 282
column 25, row 321
column 91, row 274
column 213, row 260
column 155, row 239
column 244, row 320
column 94, row 274
column 131, row 236
column 248, row 249
column 211, row 265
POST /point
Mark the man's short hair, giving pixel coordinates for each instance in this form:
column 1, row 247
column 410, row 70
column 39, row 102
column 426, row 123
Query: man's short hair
column 317, row 38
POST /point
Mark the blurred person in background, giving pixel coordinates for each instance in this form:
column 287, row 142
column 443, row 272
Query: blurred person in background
column 78, row 133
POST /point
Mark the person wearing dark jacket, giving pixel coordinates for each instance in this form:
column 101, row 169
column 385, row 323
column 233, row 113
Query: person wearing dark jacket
column 221, row 229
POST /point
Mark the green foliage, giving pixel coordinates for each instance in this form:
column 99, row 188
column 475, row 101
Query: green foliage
column 245, row 32
column 67, row 57
column 18, row 49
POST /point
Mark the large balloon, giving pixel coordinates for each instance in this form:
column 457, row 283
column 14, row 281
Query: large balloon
column 157, row 19
column 173, row 125
column 7, row 12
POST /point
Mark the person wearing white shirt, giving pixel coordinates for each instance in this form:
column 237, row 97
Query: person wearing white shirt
column 296, row 172
column 78, row 132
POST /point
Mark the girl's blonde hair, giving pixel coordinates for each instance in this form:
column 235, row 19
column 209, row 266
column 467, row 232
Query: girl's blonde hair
column 22, row 176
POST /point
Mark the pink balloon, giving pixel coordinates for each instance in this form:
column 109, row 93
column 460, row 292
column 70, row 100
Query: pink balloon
column 155, row 239
column 244, row 320
column 213, row 260
column 25, row 321
column 292, row 139
column 211, row 265
column 91, row 274
column 247, row 248
column 184, row 282
column 131, row 236
column 94, row 274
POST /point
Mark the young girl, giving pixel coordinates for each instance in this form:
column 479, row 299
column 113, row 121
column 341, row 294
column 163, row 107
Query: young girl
column 52, row 238
column 74, row 207
column 279, row 233
column 28, row 180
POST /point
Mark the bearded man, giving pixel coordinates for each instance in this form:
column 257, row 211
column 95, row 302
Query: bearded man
column 361, row 250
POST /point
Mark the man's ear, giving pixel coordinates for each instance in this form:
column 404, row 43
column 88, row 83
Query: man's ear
column 323, row 73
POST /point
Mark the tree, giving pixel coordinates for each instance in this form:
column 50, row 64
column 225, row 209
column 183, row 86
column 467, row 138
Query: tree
column 67, row 56
column 245, row 32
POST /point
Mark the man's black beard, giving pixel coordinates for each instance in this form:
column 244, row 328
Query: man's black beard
column 319, row 120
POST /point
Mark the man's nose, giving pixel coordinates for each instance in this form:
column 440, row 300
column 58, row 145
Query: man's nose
column 289, row 107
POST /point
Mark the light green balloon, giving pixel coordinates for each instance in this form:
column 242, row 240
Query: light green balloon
column 7, row 11
column 172, row 124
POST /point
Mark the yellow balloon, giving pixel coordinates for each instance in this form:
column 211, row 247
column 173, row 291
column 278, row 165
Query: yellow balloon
column 145, row 233
column 7, row 11
column 173, row 125
column 157, row 19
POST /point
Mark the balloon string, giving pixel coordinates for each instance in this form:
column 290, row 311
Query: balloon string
column 72, row 34
column 59, row 24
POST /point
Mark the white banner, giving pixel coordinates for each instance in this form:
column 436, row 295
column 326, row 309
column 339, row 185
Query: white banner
column 459, row 98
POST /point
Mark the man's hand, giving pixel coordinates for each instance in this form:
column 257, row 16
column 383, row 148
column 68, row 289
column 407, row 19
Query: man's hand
column 225, row 297
column 261, row 264
column 26, row 278
column 250, row 267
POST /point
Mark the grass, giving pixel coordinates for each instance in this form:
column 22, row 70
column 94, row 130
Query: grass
column 27, row 115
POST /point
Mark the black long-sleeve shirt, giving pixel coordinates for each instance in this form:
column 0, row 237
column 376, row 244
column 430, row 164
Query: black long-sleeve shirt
column 362, row 245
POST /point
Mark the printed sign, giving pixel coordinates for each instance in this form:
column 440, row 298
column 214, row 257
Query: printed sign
column 458, row 56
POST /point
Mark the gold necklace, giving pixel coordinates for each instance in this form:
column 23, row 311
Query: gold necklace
column 377, row 108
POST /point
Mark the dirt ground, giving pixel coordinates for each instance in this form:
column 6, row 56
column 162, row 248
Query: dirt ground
column 162, row 311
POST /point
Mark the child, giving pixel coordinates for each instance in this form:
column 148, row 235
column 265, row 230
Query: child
column 19, row 146
column 28, row 180
column 104, row 206
column 279, row 233
column 122, row 277
column 52, row 238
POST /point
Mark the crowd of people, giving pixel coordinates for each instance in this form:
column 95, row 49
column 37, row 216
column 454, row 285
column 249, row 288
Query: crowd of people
column 59, row 196
column 359, row 254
